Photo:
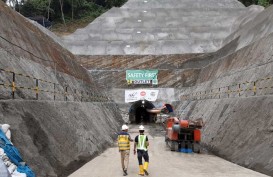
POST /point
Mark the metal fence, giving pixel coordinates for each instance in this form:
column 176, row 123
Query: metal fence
column 263, row 86
column 37, row 86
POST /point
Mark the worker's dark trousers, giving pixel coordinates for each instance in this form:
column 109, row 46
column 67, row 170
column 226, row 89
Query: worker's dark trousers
column 144, row 154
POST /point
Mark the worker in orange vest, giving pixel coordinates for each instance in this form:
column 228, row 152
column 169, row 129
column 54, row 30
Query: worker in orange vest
column 141, row 144
column 124, row 140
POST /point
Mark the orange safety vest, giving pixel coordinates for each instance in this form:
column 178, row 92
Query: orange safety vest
column 123, row 142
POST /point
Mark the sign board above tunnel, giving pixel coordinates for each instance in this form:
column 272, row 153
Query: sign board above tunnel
column 140, row 94
column 141, row 75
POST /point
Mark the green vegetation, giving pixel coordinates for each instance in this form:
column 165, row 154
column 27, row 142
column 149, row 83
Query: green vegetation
column 264, row 3
column 66, row 15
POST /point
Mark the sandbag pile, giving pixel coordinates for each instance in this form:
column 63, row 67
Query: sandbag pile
column 12, row 168
column 11, row 156
column 3, row 170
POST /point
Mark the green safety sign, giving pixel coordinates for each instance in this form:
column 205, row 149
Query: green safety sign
column 155, row 82
column 141, row 74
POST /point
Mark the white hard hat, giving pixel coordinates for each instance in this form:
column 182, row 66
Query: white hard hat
column 141, row 127
column 124, row 127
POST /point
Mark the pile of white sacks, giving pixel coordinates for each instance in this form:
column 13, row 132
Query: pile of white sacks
column 11, row 167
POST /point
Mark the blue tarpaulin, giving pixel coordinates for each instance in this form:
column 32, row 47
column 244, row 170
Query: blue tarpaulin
column 14, row 155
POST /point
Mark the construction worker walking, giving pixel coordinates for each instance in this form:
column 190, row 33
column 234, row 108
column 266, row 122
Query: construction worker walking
column 141, row 144
column 124, row 139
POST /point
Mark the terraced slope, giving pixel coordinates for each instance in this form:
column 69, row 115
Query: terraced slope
column 158, row 27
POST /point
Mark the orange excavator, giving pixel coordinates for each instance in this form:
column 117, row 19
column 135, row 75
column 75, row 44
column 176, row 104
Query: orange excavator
column 183, row 135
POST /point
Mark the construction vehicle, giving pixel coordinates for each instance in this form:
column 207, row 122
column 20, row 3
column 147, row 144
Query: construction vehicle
column 183, row 135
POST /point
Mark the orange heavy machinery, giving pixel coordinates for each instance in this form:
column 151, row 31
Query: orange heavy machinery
column 183, row 135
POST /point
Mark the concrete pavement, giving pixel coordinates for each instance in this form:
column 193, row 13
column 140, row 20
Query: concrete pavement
column 163, row 162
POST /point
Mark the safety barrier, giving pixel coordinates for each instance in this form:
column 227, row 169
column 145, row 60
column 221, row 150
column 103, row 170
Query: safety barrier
column 263, row 86
column 67, row 93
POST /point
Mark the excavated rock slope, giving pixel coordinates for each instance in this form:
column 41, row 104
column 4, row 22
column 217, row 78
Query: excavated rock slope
column 231, row 89
column 234, row 97
column 174, row 69
column 158, row 27
column 54, row 137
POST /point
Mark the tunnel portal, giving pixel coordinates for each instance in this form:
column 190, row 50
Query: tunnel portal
column 138, row 113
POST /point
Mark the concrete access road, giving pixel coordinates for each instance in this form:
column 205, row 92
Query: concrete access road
column 163, row 162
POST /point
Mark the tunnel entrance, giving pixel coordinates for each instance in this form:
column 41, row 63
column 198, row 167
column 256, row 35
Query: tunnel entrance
column 142, row 115
column 138, row 112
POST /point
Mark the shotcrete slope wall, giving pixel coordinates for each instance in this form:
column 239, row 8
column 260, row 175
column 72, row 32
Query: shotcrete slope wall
column 251, row 30
column 24, row 40
column 238, row 129
column 158, row 28
column 238, row 119
column 54, row 137
column 182, row 3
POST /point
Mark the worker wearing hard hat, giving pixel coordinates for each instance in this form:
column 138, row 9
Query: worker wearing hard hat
column 141, row 144
column 124, row 139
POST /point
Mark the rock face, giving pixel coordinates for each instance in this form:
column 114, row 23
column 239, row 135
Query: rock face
column 234, row 96
column 174, row 69
column 54, row 136
column 251, row 30
column 155, row 27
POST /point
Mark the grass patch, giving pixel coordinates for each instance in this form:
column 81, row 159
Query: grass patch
column 71, row 25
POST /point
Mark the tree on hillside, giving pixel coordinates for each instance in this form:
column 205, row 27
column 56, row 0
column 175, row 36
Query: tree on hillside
column 48, row 9
column 65, row 11
column 115, row 3
column 36, row 8
column 110, row 3
column 62, row 12
column 264, row 3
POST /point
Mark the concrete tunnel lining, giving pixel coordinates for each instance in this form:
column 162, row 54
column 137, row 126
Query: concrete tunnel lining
column 138, row 112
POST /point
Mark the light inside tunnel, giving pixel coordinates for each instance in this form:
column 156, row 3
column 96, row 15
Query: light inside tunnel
column 138, row 112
